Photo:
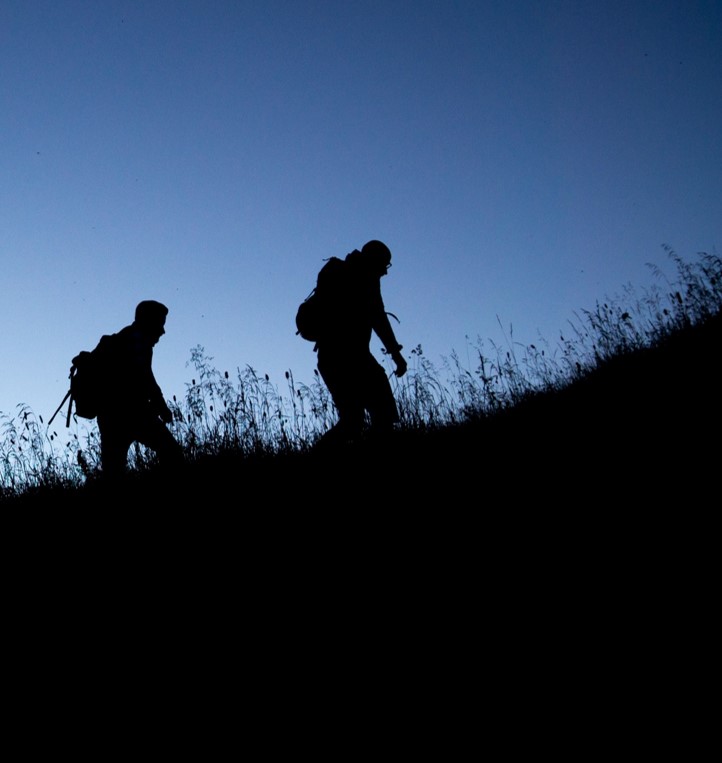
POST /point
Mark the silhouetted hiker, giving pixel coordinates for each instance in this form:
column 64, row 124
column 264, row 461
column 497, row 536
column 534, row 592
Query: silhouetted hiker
column 134, row 410
column 355, row 379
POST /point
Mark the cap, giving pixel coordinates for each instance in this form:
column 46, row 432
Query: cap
column 378, row 251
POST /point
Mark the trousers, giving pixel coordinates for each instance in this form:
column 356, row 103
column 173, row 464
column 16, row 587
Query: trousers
column 358, row 385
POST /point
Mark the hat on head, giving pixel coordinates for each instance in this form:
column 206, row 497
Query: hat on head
column 378, row 251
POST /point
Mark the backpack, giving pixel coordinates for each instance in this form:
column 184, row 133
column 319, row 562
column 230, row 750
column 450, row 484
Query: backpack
column 89, row 378
column 319, row 309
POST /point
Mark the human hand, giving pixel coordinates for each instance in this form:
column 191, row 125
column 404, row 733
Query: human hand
column 166, row 415
column 401, row 366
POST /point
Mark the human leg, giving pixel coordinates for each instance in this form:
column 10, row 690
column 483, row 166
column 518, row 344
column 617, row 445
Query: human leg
column 380, row 401
column 342, row 377
column 114, row 443
column 154, row 434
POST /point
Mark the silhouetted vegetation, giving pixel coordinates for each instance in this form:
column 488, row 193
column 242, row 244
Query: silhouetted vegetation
column 625, row 400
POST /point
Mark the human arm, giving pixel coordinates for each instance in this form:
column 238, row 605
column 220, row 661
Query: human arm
column 400, row 361
column 382, row 327
column 158, row 402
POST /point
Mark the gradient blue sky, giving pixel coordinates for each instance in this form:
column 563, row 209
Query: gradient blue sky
column 521, row 159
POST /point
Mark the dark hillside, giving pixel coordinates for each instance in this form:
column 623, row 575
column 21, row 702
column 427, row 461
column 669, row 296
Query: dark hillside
column 642, row 427
column 560, row 552
column 648, row 420
column 570, row 537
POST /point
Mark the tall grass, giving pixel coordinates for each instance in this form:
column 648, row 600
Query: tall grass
column 245, row 413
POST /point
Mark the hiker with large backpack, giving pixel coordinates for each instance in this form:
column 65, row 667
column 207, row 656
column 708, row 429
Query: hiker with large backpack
column 132, row 407
column 350, row 308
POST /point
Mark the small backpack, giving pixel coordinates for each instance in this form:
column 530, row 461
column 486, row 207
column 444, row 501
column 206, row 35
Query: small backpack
column 89, row 378
column 319, row 309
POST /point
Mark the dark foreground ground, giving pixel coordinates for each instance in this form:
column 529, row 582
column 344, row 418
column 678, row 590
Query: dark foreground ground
column 545, row 578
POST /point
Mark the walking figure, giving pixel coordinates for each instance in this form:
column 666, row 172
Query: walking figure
column 133, row 408
column 357, row 382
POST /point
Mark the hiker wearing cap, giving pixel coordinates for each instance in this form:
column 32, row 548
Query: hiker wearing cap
column 133, row 408
column 357, row 382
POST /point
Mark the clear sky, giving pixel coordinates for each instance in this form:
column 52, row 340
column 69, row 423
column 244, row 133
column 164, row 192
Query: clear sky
column 522, row 159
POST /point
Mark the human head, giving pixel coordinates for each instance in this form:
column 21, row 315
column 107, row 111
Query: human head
column 150, row 317
column 379, row 254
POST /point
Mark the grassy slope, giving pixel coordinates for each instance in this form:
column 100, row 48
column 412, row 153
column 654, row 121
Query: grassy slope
column 643, row 427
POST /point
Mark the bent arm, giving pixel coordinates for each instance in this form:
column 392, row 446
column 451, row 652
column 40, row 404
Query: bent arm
column 382, row 327
column 384, row 331
column 380, row 322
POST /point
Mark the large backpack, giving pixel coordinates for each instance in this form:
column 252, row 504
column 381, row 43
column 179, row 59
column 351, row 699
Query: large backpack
column 89, row 380
column 320, row 309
